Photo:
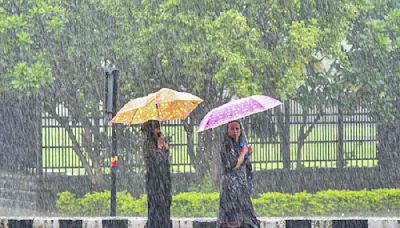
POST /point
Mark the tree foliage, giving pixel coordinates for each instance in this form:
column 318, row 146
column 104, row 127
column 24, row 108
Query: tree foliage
column 316, row 52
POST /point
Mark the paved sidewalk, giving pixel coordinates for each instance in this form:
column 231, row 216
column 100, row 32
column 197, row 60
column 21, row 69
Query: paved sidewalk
column 132, row 222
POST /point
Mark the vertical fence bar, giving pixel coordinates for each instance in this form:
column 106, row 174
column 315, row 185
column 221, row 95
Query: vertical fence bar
column 340, row 126
column 355, row 137
column 53, row 148
column 58, row 156
column 361, row 137
column 65, row 144
column 373, row 153
column 45, row 147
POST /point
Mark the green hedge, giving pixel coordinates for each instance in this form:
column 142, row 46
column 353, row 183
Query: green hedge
column 193, row 204
column 98, row 204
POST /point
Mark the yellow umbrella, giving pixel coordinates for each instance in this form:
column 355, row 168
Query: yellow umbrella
column 165, row 104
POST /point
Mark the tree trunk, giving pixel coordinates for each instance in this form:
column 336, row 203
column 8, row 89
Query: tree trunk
column 95, row 175
column 204, row 155
column 284, row 130
column 215, row 162
column 188, row 126
column 205, row 159
column 300, row 140
column 304, row 134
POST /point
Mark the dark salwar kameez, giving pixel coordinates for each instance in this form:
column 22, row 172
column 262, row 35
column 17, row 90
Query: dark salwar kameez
column 158, row 176
column 236, row 208
column 158, row 185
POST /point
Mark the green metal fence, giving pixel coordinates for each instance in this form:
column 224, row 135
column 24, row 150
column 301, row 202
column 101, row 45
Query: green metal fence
column 296, row 138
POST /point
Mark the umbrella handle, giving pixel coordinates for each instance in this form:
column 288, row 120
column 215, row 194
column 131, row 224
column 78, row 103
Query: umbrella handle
column 244, row 132
column 158, row 111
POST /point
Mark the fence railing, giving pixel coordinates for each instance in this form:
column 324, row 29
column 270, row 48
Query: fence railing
column 329, row 138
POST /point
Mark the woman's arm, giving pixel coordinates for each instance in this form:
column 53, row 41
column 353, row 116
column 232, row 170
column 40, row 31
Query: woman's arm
column 241, row 157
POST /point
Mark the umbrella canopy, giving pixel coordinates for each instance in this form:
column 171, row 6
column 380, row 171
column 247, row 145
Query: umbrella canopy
column 165, row 104
column 237, row 109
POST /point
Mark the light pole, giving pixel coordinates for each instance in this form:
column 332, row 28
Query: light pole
column 111, row 105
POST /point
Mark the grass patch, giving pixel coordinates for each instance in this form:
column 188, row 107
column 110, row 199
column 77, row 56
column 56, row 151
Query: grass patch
column 319, row 150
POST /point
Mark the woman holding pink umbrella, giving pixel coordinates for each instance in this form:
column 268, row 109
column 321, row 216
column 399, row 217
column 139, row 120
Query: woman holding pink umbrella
column 236, row 208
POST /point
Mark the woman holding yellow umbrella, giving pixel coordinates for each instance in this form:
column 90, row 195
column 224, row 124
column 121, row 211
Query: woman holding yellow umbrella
column 158, row 176
column 166, row 104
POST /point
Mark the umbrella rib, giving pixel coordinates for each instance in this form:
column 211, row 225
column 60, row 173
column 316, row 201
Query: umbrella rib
column 133, row 116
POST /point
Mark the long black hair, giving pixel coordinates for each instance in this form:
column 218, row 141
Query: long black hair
column 148, row 130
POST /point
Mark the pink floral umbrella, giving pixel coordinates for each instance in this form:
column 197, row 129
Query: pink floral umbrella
column 237, row 109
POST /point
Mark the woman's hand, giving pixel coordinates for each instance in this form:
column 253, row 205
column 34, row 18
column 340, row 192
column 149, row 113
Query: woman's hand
column 250, row 149
column 161, row 144
column 244, row 150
